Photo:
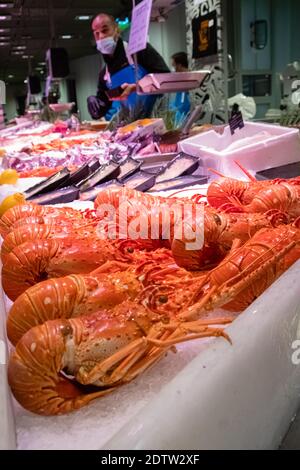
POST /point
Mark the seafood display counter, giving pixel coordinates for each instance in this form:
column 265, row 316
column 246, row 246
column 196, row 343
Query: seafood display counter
column 208, row 395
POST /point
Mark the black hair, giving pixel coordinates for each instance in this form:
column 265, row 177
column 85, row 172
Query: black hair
column 181, row 58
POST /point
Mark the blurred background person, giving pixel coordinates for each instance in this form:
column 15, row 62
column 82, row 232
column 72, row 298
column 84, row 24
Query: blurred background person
column 180, row 104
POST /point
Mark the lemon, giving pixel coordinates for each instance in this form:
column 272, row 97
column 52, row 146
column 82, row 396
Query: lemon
column 9, row 177
column 11, row 201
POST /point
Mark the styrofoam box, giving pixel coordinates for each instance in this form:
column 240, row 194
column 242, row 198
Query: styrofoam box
column 256, row 146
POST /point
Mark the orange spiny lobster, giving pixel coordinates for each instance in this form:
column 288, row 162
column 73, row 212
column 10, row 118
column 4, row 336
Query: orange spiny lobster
column 36, row 261
column 262, row 198
column 62, row 365
column 114, row 197
column 53, row 229
column 219, row 231
column 80, row 294
column 23, row 211
column 55, row 364
column 233, row 195
column 249, row 270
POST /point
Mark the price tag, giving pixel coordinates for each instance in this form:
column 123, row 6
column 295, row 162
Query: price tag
column 141, row 15
column 236, row 122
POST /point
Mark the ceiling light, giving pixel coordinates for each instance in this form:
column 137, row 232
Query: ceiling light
column 5, row 17
column 42, row 63
column 26, row 37
column 2, row 44
column 17, row 52
column 83, row 17
column 19, row 48
column 3, row 38
column 10, row 76
column 25, row 81
column 6, row 5
column 66, row 36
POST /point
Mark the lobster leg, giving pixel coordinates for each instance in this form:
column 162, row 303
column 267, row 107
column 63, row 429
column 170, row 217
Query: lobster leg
column 222, row 295
column 136, row 355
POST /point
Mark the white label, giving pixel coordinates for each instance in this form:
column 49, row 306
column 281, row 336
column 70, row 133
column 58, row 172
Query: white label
column 141, row 15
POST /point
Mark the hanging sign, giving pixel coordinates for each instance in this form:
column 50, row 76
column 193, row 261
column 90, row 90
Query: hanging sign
column 140, row 20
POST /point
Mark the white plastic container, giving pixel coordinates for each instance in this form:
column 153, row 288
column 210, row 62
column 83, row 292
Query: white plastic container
column 257, row 147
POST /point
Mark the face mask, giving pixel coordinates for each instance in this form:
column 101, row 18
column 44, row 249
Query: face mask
column 106, row 45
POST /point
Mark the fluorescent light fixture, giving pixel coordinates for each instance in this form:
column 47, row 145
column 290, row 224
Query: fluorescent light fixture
column 83, row 17
column 66, row 36
column 25, row 81
column 2, row 44
column 10, row 76
column 42, row 63
column 19, row 48
column 4, row 38
column 5, row 17
column 4, row 30
column 6, row 5
column 17, row 52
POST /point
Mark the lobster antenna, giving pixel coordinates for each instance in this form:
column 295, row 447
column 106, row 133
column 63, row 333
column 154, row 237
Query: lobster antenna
column 216, row 172
column 251, row 177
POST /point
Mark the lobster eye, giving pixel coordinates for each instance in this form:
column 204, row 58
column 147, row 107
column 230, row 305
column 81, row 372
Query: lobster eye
column 66, row 330
column 217, row 219
column 163, row 299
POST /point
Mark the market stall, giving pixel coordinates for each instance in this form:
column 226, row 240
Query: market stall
column 239, row 395
column 150, row 258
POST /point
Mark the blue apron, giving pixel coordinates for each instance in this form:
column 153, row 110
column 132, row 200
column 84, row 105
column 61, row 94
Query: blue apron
column 181, row 102
column 134, row 101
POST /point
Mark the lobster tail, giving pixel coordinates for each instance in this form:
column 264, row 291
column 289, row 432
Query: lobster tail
column 226, row 191
column 27, row 265
column 68, row 297
column 18, row 212
column 24, row 234
column 23, row 211
column 35, row 372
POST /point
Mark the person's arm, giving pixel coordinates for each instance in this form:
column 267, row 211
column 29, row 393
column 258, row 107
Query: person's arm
column 152, row 61
column 99, row 105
